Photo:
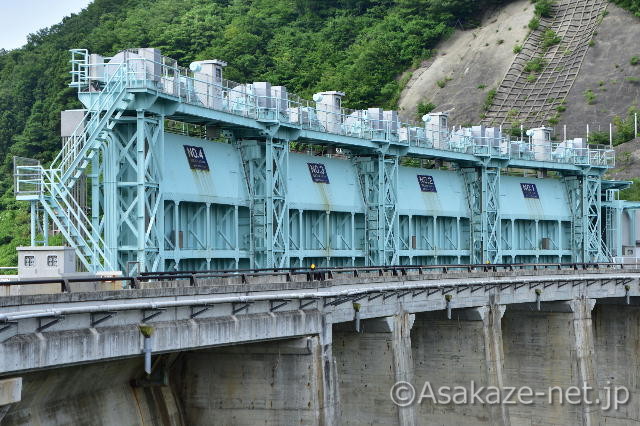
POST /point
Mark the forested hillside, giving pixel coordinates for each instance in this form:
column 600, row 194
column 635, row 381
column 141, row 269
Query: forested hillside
column 356, row 46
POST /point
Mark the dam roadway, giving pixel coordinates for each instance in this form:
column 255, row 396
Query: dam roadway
column 319, row 347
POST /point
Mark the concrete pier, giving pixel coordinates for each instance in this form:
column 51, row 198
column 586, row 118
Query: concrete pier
column 272, row 383
column 549, row 348
column 617, row 346
column 10, row 393
column 369, row 363
column 100, row 393
column 455, row 352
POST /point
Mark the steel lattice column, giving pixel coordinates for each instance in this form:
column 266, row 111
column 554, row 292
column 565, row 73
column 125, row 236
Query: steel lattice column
column 132, row 195
column 491, row 214
column 379, row 184
column 585, row 202
column 482, row 186
column 266, row 167
column 593, row 206
column 473, row 190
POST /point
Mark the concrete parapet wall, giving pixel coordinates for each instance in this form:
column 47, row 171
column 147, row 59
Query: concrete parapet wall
column 46, row 350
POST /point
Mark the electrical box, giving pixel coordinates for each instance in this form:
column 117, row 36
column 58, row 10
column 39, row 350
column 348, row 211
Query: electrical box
column 329, row 110
column 281, row 98
column 376, row 115
column 262, row 89
column 208, row 82
column 391, row 121
column 69, row 120
column 46, row 261
column 153, row 63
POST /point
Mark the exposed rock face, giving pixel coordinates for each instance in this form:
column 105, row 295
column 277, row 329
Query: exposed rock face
column 474, row 58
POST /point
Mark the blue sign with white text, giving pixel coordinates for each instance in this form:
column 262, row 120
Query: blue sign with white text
column 426, row 183
column 318, row 173
column 195, row 156
column 529, row 190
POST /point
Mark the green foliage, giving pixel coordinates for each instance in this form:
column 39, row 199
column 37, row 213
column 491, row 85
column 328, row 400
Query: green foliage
column 517, row 48
column 550, row 38
column 633, row 192
column 536, row 65
column 599, row 138
column 625, row 127
column 632, row 6
column 543, row 8
column 360, row 47
column 491, row 94
column 590, row 97
column 424, row 108
column 635, row 60
column 534, row 23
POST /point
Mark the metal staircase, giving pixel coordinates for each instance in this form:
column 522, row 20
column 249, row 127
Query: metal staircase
column 54, row 187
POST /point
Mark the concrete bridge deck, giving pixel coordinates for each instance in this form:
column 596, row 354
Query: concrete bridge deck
column 341, row 343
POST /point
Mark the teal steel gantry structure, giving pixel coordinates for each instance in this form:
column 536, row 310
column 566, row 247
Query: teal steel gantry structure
column 238, row 196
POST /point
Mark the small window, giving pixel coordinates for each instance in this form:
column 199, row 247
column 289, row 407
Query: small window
column 29, row 261
column 219, row 73
column 52, row 260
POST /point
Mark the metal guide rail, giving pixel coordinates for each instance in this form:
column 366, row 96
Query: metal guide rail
column 245, row 276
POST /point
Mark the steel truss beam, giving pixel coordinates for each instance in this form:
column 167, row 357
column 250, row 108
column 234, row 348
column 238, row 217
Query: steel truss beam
column 378, row 176
column 266, row 164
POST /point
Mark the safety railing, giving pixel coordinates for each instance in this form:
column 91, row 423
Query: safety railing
column 254, row 276
column 27, row 177
column 242, row 100
column 73, row 221
column 93, row 121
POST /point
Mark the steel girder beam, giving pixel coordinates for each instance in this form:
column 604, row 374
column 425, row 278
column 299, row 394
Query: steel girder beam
column 378, row 177
column 266, row 164
column 482, row 187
